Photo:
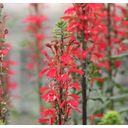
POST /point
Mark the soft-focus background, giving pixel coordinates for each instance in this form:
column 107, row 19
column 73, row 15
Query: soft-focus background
column 24, row 106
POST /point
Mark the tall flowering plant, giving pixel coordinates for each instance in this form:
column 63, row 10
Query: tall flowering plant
column 86, row 23
column 35, row 27
column 59, row 94
column 4, row 50
column 96, row 27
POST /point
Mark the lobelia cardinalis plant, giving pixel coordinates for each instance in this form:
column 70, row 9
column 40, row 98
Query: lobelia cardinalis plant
column 59, row 94
column 91, row 26
column 35, row 28
column 4, row 72
column 116, row 49
column 86, row 24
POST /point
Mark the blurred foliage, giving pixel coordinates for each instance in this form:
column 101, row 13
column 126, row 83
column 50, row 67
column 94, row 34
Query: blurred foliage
column 111, row 118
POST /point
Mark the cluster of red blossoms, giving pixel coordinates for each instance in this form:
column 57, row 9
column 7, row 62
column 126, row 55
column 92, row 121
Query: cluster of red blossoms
column 89, row 42
column 61, row 93
column 35, row 27
column 92, row 20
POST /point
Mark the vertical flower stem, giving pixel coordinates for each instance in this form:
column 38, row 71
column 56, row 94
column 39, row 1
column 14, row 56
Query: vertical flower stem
column 84, row 80
column 111, row 106
column 61, row 70
column 84, row 88
column 37, row 50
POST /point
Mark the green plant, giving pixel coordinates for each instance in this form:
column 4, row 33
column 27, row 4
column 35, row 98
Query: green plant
column 111, row 118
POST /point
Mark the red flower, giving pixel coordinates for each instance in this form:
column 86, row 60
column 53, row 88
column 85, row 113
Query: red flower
column 29, row 66
column 73, row 104
column 75, row 70
column 74, row 96
column 63, row 77
column 66, row 59
column 52, row 72
column 4, row 51
column 125, row 22
column 11, row 85
column 49, row 96
column 39, row 36
column 43, row 89
column 43, row 120
column 117, row 63
column 75, row 85
column 35, row 19
column 70, row 10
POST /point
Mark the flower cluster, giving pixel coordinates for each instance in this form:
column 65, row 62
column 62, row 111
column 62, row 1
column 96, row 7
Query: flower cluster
column 99, row 38
column 85, row 22
column 35, row 27
column 61, row 93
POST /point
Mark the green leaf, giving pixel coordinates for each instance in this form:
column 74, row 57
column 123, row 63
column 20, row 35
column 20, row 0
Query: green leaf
column 119, row 97
column 119, row 56
column 97, row 99
column 111, row 118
